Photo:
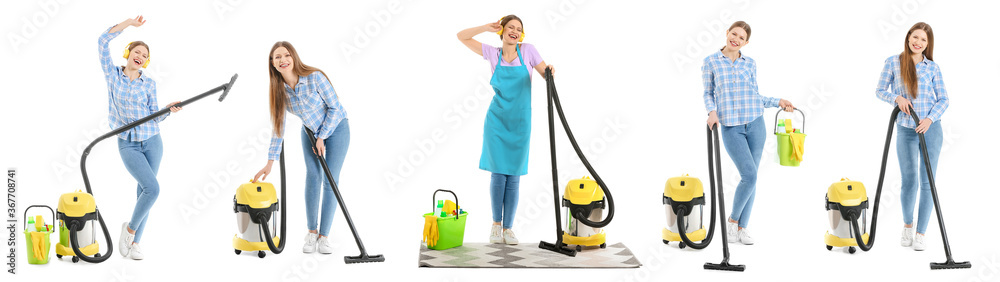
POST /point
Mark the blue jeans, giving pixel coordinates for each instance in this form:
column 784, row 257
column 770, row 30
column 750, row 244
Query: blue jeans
column 142, row 160
column 336, row 151
column 911, row 163
column 503, row 197
column 745, row 144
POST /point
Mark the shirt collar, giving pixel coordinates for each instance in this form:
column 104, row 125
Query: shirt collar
column 301, row 81
column 723, row 56
column 141, row 78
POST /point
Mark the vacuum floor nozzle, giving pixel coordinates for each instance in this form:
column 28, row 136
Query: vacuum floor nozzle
column 363, row 258
column 950, row 264
column 725, row 266
column 563, row 249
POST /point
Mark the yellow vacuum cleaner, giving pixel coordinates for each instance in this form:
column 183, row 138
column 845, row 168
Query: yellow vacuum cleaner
column 583, row 197
column 845, row 200
column 77, row 211
column 684, row 201
column 77, row 215
column 583, row 200
column 255, row 205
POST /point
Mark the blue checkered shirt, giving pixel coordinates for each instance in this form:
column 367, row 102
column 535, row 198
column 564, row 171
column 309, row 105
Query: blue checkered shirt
column 315, row 101
column 932, row 98
column 128, row 100
column 731, row 89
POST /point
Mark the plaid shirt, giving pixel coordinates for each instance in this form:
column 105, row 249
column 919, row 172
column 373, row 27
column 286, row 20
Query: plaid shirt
column 731, row 89
column 315, row 101
column 932, row 98
column 128, row 100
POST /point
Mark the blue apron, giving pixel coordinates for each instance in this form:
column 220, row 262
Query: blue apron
column 508, row 120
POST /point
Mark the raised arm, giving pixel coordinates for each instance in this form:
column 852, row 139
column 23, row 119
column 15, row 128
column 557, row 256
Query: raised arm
column 104, row 51
column 466, row 36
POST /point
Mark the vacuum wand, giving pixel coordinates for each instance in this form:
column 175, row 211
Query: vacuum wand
column 717, row 177
column 949, row 263
column 83, row 163
column 363, row 257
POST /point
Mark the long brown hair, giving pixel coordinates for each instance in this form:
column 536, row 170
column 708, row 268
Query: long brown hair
column 907, row 68
column 277, row 88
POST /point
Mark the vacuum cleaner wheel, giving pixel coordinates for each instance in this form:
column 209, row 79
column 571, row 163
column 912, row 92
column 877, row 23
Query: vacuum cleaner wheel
column 829, row 248
column 238, row 251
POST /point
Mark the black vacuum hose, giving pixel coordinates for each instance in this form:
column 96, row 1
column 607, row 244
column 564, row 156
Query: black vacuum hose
column 74, row 242
column 711, row 176
column 283, row 207
column 854, row 216
column 550, row 84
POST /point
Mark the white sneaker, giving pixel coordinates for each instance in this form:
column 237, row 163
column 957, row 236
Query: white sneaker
column 732, row 229
column 135, row 252
column 495, row 237
column 907, row 239
column 918, row 242
column 324, row 245
column 125, row 240
column 310, row 244
column 509, row 238
column 745, row 238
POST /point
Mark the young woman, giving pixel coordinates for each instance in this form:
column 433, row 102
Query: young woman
column 912, row 78
column 508, row 120
column 132, row 96
column 732, row 99
column 306, row 92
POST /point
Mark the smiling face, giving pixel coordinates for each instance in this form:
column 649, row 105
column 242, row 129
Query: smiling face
column 917, row 41
column 512, row 32
column 137, row 57
column 281, row 60
column 736, row 38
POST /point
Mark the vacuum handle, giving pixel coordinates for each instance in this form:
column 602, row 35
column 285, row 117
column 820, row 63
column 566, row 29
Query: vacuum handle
column 40, row 206
column 779, row 113
column 434, row 199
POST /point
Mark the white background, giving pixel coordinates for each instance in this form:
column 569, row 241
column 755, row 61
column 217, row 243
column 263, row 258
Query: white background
column 629, row 75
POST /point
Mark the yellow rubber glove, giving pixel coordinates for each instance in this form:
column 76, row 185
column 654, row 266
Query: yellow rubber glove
column 798, row 141
column 37, row 246
column 430, row 230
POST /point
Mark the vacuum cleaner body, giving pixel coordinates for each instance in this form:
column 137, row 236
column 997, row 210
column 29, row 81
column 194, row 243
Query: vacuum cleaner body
column 684, row 196
column 843, row 198
column 253, row 202
column 583, row 197
column 77, row 213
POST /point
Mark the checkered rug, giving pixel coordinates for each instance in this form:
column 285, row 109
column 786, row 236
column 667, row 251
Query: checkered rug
column 484, row 255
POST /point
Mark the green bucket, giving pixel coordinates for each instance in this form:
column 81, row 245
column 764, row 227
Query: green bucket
column 785, row 142
column 43, row 244
column 451, row 229
column 785, row 150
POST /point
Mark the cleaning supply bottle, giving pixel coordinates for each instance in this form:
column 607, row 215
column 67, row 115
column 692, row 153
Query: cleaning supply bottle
column 438, row 211
column 781, row 126
column 31, row 225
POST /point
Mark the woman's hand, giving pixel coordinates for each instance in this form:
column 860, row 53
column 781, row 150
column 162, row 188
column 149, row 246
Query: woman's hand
column 713, row 119
column 924, row 125
column 786, row 105
column 174, row 109
column 320, row 147
column 264, row 171
column 552, row 69
column 136, row 22
column 493, row 27
column 904, row 105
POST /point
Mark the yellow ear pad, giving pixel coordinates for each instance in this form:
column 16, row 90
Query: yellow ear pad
column 126, row 52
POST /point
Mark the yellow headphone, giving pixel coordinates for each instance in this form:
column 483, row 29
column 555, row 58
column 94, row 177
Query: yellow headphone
column 519, row 39
column 127, row 52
